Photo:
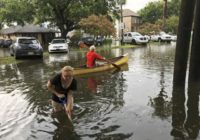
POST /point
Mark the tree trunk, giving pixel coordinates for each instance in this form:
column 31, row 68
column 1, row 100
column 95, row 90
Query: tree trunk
column 63, row 31
column 183, row 41
column 194, row 72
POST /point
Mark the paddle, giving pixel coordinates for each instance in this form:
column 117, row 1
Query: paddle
column 116, row 66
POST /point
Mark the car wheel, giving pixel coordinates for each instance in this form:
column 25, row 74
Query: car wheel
column 159, row 40
column 11, row 53
column 16, row 56
column 134, row 42
column 41, row 56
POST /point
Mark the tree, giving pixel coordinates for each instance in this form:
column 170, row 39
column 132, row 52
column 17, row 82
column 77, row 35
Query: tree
column 172, row 24
column 19, row 11
column 149, row 28
column 66, row 14
column 152, row 12
column 164, row 13
column 158, row 10
column 97, row 25
column 174, row 7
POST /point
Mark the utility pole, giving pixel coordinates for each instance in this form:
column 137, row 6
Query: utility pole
column 164, row 14
column 121, row 24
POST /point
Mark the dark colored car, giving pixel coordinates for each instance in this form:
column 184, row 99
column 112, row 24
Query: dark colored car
column 1, row 42
column 87, row 40
column 99, row 40
column 26, row 46
column 7, row 43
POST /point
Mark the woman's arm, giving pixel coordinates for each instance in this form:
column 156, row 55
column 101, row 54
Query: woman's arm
column 51, row 88
column 69, row 105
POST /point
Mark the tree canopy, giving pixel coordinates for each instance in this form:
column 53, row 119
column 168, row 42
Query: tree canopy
column 153, row 14
column 97, row 25
column 19, row 11
column 64, row 14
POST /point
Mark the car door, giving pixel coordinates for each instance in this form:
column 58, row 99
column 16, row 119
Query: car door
column 125, row 37
column 11, row 47
column 129, row 37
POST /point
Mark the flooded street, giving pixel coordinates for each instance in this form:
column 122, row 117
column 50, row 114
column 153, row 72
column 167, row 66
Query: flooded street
column 133, row 104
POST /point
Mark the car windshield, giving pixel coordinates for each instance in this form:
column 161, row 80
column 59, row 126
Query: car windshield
column 58, row 41
column 27, row 41
column 162, row 33
column 136, row 34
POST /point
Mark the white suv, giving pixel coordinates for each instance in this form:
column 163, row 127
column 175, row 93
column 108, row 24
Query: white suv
column 162, row 37
column 134, row 38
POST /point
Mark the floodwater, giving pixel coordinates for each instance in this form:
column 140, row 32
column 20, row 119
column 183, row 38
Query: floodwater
column 133, row 104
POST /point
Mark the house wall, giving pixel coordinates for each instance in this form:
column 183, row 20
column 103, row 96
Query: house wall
column 131, row 23
column 127, row 23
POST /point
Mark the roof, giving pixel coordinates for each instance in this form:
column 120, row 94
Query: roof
column 10, row 30
column 26, row 29
column 129, row 13
column 25, row 37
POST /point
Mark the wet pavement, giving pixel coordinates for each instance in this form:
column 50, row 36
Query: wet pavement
column 132, row 104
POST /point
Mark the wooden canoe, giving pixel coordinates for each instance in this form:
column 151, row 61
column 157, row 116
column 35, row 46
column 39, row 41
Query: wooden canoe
column 121, row 60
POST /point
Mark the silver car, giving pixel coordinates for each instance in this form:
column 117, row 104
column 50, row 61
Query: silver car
column 26, row 46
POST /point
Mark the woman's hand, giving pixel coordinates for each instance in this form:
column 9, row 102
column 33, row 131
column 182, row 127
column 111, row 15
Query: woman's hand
column 60, row 95
column 68, row 112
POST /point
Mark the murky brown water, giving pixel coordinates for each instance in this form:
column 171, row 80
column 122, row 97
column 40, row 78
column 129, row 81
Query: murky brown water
column 132, row 104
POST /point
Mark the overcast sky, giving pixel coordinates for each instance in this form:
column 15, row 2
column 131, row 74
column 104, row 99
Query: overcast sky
column 136, row 5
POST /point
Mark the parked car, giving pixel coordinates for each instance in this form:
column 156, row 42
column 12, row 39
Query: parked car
column 162, row 37
column 148, row 37
column 154, row 37
column 87, row 41
column 134, row 38
column 7, row 43
column 58, row 45
column 99, row 40
column 26, row 46
column 1, row 42
column 174, row 37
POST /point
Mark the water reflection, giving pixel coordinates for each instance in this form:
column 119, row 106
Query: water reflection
column 59, row 57
column 162, row 102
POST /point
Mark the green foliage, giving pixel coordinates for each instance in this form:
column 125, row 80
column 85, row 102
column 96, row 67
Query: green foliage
column 152, row 12
column 75, row 38
column 172, row 24
column 20, row 11
column 64, row 14
column 97, row 25
column 174, row 7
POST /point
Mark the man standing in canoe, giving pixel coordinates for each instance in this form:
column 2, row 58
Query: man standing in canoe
column 62, row 87
column 91, row 57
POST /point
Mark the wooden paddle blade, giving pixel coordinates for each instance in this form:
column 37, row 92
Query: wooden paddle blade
column 116, row 66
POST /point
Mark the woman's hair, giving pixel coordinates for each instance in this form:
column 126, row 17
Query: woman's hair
column 67, row 68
